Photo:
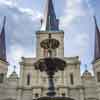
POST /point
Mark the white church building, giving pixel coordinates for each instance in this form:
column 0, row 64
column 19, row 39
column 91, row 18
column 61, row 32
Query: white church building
column 33, row 84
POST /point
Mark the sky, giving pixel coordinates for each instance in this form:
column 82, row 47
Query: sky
column 23, row 20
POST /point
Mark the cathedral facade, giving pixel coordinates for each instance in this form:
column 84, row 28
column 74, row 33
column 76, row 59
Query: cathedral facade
column 33, row 84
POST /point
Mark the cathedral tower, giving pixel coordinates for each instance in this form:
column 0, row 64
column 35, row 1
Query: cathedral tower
column 50, row 24
column 3, row 61
column 96, row 63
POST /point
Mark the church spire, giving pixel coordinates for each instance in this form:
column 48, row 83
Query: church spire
column 2, row 42
column 50, row 23
column 97, row 41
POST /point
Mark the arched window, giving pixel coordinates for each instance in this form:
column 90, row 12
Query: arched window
column 71, row 79
column 1, row 77
column 28, row 79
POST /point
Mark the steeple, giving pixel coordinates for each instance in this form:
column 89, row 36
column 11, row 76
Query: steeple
column 2, row 42
column 50, row 23
column 97, row 41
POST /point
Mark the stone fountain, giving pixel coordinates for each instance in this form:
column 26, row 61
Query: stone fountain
column 50, row 65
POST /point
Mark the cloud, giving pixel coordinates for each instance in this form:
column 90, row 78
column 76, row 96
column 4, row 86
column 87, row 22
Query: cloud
column 22, row 22
column 14, row 56
column 20, row 30
column 73, row 10
column 74, row 22
column 8, row 2
column 77, row 45
column 91, row 9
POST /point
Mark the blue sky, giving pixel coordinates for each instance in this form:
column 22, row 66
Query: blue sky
column 23, row 20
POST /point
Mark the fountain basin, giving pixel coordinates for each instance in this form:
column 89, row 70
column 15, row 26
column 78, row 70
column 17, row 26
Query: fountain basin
column 50, row 64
